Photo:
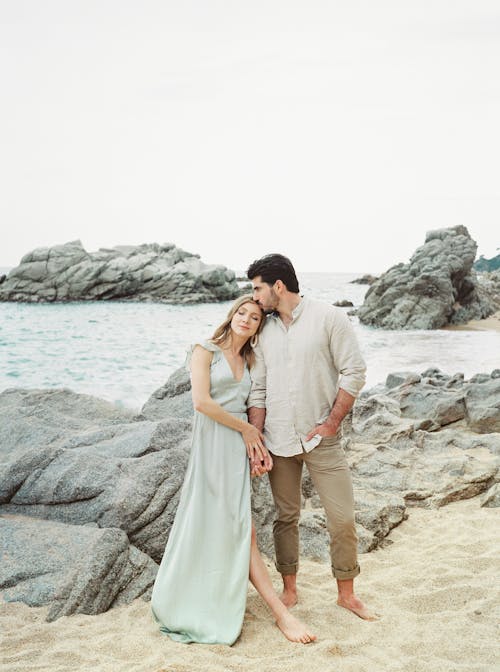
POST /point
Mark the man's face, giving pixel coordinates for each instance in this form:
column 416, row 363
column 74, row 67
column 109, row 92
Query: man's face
column 264, row 295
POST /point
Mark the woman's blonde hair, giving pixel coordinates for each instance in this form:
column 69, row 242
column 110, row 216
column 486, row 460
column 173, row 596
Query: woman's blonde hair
column 223, row 331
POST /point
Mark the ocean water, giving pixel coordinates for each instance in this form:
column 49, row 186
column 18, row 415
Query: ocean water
column 123, row 351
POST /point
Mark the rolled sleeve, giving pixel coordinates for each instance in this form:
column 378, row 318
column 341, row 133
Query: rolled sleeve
column 257, row 396
column 346, row 354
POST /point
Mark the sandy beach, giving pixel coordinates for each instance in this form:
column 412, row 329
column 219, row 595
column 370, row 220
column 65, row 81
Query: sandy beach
column 436, row 584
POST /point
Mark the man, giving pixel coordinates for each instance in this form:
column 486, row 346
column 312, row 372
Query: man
column 307, row 374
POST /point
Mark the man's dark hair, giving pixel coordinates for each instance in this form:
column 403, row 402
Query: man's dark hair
column 274, row 267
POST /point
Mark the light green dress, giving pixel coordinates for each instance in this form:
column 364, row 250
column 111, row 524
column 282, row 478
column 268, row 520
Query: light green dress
column 201, row 587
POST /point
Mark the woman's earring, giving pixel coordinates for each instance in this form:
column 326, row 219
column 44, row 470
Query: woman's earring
column 254, row 340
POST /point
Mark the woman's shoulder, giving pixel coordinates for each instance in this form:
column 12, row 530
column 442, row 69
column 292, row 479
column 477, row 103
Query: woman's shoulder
column 206, row 345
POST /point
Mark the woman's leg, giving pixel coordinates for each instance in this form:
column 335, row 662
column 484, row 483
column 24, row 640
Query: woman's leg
column 290, row 626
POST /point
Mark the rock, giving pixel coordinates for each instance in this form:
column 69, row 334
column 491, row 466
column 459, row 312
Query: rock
column 172, row 399
column 437, row 287
column 149, row 272
column 76, row 459
column 75, row 570
column 424, row 401
column 434, row 398
column 344, row 303
column 482, row 405
column 377, row 516
column 490, row 285
column 491, row 498
column 364, row 280
column 402, row 378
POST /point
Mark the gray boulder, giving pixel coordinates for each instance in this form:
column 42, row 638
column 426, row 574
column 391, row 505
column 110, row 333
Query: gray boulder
column 76, row 459
column 149, row 272
column 437, row 287
column 424, row 441
column 437, row 399
column 83, row 569
column 172, row 399
column 482, row 405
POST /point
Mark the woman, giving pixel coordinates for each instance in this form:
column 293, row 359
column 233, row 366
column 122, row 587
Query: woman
column 200, row 591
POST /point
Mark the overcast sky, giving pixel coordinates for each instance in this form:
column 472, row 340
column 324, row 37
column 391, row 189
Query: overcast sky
column 337, row 132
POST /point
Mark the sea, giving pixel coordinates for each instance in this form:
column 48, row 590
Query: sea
column 123, row 351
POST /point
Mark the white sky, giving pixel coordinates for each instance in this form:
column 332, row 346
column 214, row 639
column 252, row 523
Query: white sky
column 337, row 132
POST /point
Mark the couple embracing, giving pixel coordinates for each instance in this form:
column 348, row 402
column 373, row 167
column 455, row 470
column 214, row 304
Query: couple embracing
column 270, row 390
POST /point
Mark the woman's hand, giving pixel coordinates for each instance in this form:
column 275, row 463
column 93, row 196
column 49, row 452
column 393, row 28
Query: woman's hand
column 254, row 442
column 260, row 460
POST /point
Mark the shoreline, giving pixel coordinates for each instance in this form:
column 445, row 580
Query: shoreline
column 434, row 583
column 491, row 323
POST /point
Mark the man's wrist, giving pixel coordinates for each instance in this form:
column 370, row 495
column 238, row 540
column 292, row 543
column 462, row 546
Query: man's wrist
column 333, row 424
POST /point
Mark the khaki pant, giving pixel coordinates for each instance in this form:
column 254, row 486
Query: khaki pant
column 329, row 471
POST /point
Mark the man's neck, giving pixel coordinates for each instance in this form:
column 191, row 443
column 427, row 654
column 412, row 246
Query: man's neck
column 288, row 303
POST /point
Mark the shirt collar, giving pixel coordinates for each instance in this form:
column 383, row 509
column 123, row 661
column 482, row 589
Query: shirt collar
column 299, row 307
column 296, row 312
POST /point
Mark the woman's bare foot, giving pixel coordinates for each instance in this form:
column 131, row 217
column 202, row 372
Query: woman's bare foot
column 355, row 605
column 295, row 630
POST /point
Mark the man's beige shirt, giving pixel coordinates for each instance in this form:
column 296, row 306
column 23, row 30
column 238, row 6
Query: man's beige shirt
column 299, row 369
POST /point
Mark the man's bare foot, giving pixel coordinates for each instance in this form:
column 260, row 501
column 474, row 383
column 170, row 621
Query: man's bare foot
column 295, row 630
column 289, row 598
column 355, row 605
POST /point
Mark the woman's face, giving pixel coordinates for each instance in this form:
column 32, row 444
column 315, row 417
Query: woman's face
column 247, row 319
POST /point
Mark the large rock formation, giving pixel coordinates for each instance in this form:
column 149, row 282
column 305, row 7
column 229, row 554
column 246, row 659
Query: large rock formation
column 88, row 491
column 436, row 288
column 147, row 272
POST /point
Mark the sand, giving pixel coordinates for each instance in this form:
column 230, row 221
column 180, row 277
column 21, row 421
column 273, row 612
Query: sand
column 436, row 584
column 491, row 323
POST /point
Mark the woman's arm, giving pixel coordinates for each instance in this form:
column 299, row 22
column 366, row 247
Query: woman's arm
column 203, row 402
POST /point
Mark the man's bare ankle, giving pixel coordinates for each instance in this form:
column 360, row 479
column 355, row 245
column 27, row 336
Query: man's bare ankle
column 354, row 604
column 289, row 597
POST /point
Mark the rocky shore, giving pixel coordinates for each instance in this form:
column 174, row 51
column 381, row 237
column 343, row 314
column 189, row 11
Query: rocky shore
column 438, row 287
column 88, row 491
column 150, row 272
